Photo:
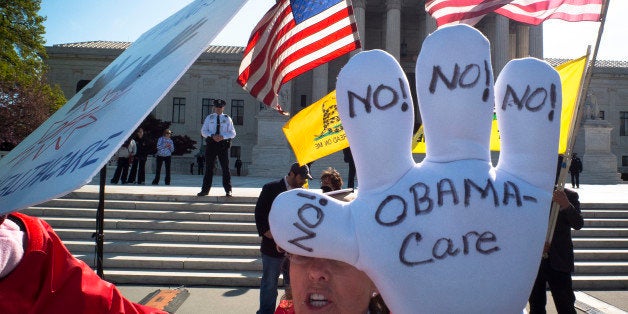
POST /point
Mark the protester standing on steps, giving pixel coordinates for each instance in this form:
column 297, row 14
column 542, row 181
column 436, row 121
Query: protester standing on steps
column 272, row 256
column 575, row 168
column 558, row 258
column 165, row 148
column 218, row 132
column 139, row 160
column 124, row 157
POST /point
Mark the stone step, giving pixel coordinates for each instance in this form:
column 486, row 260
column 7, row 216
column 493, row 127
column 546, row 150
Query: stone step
column 174, row 262
column 605, row 213
column 137, row 247
column 162, row 236
column 590, row 268
column 606, row 222
column 162, row 197
column 235, row 278
column 252, row 279
column 604, row 206
column 186, row 262
column 579, row 242
column 142, row 214
column 601, row 255
column 601, row 232
column 150, row 205
column 600, row 282
column 143, row 224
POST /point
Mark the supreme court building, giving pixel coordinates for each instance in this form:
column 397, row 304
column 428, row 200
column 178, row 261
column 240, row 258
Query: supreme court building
column 397, row 26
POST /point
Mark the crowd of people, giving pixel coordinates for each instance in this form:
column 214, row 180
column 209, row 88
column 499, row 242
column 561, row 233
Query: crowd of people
column 310, row 283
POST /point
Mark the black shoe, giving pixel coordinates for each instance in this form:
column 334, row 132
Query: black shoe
column 201, row 193
column 155, row 183
column 228, row 194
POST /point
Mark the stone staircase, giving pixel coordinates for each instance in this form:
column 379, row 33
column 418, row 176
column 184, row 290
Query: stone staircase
column 157, row 239
column 601, row 248
column 184, row 240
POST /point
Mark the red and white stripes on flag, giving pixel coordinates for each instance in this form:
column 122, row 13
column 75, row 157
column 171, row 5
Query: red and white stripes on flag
column 292, row 38
column 526, row 11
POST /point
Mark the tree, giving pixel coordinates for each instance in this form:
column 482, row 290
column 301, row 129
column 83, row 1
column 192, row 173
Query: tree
column 26, row 98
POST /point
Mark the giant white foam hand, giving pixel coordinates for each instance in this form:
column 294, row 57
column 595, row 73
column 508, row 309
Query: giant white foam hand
column 451, row 234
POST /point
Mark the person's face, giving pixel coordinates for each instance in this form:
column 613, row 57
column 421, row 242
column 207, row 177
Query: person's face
column 326, row 185
column 219, row 110
column 296, row 180
column 140, row 133
column 168, row 134
column 328, row 286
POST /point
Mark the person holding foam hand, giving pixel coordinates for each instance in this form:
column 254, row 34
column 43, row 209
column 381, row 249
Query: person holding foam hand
column 440, row 236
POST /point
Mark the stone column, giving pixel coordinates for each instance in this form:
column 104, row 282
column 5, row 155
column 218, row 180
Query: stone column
column 536, row 41
column 393, row 27
column 523, row 41
column 359, row 11
column 272, row 155
column 500, row 43
column 599, row 163
column 430, row 24
column 320, row 78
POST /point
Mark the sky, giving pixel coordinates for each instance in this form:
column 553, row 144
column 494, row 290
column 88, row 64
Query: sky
column 71, row 21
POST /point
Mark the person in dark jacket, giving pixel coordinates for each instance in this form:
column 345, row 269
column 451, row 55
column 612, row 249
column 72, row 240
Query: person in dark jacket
column 272, row 257
column 557, row 264
column 139, row 161
column 574, row 169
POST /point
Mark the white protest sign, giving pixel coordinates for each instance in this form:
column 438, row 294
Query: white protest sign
column 67, row 150
column 452, row 234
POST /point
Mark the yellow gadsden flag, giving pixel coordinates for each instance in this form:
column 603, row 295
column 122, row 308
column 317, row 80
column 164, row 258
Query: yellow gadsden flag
column 316, row 131
column 571, row 73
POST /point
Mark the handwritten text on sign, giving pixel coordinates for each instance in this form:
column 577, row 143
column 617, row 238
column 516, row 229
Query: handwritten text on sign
column 422, row 199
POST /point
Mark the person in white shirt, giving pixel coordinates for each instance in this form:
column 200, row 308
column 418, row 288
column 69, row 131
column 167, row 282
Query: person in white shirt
column 124, row 158
column 218, row 132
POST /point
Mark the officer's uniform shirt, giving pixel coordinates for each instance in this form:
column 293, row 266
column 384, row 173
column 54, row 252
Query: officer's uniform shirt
column 226, row 126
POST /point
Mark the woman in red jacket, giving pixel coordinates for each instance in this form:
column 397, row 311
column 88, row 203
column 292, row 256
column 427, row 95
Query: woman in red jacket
column 39, row 275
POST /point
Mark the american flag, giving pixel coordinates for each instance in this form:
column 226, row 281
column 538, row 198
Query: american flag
column 526, row 11
column 294, row 37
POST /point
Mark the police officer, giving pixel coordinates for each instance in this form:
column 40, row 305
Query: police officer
column 218, row 132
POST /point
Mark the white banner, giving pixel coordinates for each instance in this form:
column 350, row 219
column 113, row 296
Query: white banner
column 67, row 150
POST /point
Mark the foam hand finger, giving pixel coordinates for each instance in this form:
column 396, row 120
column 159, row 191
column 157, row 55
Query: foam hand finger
column 376, row 110
column 313, row 224
column 456, row 94
column 528, row 105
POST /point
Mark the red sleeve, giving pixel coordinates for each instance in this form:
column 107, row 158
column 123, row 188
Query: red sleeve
column 50, row 280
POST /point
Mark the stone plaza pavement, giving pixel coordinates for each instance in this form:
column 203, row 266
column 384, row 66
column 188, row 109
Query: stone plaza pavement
column 245, row 299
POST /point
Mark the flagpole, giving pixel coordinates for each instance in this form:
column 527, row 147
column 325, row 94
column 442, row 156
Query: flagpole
column 560, row 185
column 566, row 158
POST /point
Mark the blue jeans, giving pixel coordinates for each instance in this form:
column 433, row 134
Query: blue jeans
column 271, row 267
